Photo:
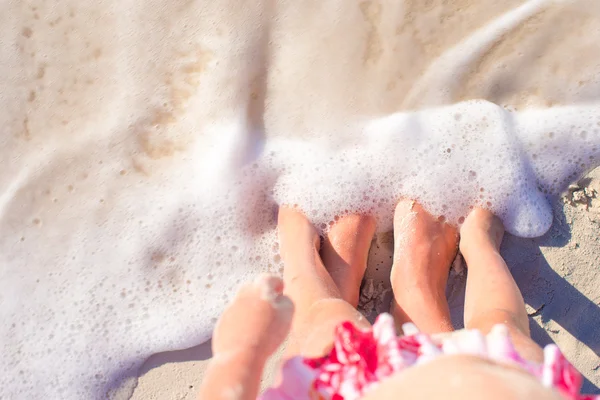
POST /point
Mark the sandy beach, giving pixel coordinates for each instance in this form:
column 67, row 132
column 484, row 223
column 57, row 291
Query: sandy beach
column 558, row 275
column 145, row 148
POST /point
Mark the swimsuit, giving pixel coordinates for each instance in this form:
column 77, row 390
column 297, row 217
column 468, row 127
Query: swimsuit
column 360, row 359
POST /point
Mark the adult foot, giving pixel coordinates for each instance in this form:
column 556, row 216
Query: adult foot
column 317, row 289
column 481, row 229
column 345, row 252
column 424, row 248
column 338, row 269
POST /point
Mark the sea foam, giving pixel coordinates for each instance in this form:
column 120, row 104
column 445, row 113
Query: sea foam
column 146, row 149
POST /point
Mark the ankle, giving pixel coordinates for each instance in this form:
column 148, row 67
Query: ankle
column 478, row 248
column 481, row 229
column 479, row 240
column 408, row 287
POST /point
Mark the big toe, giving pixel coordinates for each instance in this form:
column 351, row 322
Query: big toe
column 405, row 213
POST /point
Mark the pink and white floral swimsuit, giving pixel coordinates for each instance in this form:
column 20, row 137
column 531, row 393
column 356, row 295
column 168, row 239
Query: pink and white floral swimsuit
column 361, row 359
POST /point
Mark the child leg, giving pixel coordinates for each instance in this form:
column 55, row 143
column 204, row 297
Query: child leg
column 492, row 296
column 248, row 332
column 324, row 294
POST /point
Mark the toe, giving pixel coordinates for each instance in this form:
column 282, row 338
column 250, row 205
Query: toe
column 259, row 318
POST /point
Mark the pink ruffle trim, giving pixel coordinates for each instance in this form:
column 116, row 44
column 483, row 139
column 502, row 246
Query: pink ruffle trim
column 360, row 359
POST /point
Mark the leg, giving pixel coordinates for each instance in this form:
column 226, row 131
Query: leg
column 345, row 253
column 424, row 248
column 248, row 332
column 322, row 300
column 492, row 296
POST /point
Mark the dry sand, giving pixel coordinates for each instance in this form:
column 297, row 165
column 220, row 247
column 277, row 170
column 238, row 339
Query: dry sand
column 557, row 273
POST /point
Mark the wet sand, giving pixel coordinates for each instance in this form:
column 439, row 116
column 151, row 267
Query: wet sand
column 559, row 276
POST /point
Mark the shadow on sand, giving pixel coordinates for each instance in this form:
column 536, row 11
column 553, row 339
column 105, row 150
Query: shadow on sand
column 549, row 294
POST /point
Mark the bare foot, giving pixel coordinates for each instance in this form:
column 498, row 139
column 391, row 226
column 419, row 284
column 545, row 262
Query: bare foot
column 248, row 332
column 306, row 278
column 321, row 292
column 258, row 319
column 481, row 228
column 424, row 248
column 492, row 296
column 295, row 228
column 345, row 253
column 339, row 272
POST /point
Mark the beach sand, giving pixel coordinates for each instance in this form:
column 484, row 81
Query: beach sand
column 101, row 193
column 557, row 273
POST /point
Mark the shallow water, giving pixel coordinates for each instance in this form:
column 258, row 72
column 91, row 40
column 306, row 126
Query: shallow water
column 145, row 149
